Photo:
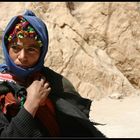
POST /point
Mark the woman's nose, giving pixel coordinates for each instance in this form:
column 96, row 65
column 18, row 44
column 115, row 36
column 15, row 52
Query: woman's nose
column 22, row 55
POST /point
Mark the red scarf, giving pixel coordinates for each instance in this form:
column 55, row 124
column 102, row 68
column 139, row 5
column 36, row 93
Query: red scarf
column 46, row 113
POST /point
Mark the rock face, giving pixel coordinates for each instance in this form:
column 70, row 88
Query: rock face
column 94, row 44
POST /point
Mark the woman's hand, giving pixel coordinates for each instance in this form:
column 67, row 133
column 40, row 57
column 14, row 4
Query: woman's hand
column 37, row 93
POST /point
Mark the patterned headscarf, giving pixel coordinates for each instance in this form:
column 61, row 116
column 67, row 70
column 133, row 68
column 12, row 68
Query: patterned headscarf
column 19, row 27
column 23, row 29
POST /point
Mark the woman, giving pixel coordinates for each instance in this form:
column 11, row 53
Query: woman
column 36, row 101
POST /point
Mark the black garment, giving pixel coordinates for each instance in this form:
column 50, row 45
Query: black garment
column 71, row 109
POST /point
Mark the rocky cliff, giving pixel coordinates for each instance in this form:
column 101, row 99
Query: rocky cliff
column 94, row 44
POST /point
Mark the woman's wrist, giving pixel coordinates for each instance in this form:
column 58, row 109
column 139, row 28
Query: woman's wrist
column 31, row 107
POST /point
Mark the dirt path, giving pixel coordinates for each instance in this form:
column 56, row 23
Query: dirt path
column 121, row 117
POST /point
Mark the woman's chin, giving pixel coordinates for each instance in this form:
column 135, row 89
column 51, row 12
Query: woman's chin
column 23, row 66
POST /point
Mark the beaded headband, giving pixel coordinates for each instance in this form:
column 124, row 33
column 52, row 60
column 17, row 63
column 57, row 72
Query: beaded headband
column 23, row 29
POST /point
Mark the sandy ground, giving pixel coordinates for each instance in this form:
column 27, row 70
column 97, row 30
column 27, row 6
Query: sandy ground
column 119, row 118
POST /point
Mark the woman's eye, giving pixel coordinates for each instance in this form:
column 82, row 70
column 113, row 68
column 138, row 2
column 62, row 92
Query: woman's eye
column 32, row 50
column 15, row 48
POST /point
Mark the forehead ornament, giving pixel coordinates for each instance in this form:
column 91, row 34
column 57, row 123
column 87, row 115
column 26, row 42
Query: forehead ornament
column 23, row 29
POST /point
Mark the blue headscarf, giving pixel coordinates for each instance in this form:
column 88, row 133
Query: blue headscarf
column 41, row 30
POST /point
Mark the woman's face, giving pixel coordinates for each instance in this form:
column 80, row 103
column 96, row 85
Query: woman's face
column 24, row 52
